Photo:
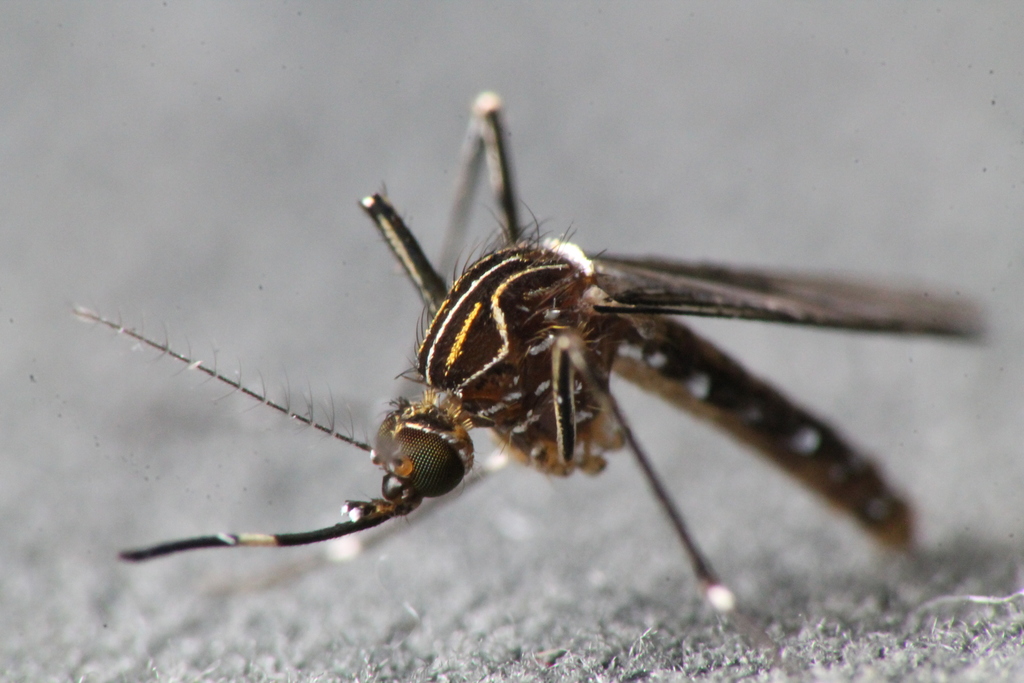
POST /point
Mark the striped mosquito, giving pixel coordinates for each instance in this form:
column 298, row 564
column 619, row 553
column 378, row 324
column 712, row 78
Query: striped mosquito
column 524, row 341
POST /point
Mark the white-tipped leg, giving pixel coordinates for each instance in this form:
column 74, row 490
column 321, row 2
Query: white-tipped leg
column 573, row 351
column 485, row 140
column 720, row 598
column 407, row 250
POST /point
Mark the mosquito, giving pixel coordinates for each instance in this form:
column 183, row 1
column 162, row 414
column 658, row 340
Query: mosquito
column 523, row 344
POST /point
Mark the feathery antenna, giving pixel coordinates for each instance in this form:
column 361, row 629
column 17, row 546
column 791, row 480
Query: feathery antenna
column 212, row 372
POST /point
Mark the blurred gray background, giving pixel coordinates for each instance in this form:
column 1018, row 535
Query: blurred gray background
column 196, row 168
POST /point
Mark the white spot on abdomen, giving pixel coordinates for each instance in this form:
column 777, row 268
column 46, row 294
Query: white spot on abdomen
column 699, row 385
column 805, row 440
column 631, row 351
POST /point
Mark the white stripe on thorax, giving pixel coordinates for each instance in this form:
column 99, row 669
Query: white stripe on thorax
column 444, row 325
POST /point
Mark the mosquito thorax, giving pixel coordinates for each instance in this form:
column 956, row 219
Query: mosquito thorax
column 490, row 344
column 424, row 448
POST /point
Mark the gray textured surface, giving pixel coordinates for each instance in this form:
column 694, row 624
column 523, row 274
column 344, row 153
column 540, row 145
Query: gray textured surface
column 198, row 166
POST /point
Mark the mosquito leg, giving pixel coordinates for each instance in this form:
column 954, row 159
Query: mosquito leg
column 717, row 594
column 572, row 351
column 487, row 108
column 361, row 515
column 406, row 249
column 485, row 139
column 564, row 394
column 470, row 157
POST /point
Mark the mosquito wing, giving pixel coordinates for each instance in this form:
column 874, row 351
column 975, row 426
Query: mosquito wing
column 653, row 285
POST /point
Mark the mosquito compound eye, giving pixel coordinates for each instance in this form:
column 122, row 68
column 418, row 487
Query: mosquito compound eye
column 423, row 454
column 437, row 467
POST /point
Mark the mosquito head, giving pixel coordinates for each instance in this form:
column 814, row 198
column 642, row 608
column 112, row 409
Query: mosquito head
column 424, row 448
